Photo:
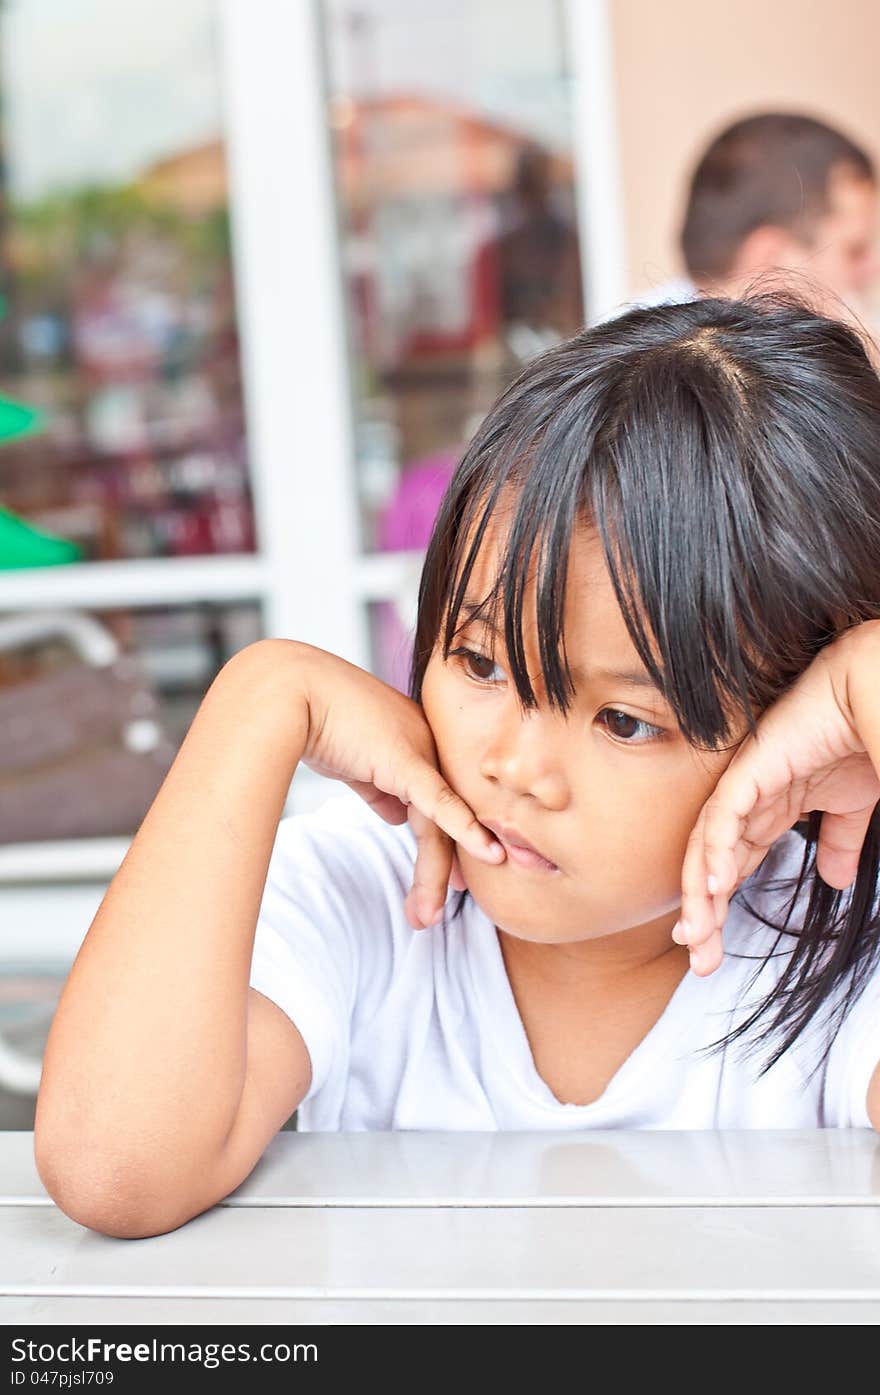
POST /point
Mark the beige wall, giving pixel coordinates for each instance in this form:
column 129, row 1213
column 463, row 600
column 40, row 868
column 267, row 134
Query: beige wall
column 685, row 68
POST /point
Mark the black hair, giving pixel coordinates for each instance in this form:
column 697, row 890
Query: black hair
column 728, row 454
column 772, row 168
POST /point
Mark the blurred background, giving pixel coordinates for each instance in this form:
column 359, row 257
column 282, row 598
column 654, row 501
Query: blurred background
column 264, row 264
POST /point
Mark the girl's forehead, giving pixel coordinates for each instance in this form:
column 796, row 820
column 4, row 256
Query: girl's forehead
column 587, row 574
column 593, row 621
column 586, row 555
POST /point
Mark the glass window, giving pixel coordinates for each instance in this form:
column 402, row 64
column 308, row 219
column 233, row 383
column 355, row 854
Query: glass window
column 121, row 419
column 452, row 149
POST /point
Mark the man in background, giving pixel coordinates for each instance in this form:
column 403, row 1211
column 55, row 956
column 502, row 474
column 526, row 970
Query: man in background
column 784, row 194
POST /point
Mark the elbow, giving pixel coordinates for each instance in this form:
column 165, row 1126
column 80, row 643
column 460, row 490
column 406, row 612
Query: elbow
column 105, row 1217
column 120, row 1218
column 105, row 1199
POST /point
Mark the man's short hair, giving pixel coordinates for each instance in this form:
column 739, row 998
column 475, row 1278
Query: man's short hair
column 771, row 169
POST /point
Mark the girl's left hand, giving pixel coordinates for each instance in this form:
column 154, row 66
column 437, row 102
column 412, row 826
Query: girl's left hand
column 436, row 869
column 806, row 754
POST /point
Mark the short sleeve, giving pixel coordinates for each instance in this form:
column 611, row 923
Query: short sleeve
column 852, row 1058
column 325, row 891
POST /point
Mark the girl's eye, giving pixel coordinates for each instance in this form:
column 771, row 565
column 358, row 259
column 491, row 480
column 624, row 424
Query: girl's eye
column 470, row 658
column 623, row 727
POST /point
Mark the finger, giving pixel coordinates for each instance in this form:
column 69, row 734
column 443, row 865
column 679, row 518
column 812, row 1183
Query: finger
column 697, row 922
column 433, row 864
column 726, row 815
column 711, row 871
column 431, row 795
column 707, row 957
column 839, row 846
column 743, row 813
column 387, row 806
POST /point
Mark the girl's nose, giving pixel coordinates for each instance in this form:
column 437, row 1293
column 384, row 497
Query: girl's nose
column 524, row 754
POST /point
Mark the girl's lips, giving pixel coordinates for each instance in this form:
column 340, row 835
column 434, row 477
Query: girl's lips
column 526, row 858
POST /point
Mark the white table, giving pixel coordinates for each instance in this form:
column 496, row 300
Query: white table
column 588, row 1227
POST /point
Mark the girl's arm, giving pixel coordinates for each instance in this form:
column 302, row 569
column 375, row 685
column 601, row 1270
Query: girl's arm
column 164, row 1075
column 146, row 1058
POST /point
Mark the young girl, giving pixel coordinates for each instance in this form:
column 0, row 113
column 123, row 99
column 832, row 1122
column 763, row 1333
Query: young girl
column 647, row 654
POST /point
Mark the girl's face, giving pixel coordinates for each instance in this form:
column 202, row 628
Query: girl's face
column 609, row 791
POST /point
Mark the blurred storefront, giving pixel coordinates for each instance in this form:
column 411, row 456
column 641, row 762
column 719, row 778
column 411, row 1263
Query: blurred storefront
column 453, row 153
column 263, row 269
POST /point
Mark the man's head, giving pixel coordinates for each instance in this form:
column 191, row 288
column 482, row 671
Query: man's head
column 781, row 192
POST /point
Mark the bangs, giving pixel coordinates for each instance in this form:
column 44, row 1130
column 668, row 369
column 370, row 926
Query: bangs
column 721, row 475
column 680, row 585
column 535, row 532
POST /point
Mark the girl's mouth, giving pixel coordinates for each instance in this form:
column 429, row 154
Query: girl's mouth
column 526, row 858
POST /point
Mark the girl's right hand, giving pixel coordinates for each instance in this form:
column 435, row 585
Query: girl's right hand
column 377, row 741
column 812, row 750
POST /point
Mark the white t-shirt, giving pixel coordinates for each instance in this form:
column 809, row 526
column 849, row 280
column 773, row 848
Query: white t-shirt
column 420, row 1030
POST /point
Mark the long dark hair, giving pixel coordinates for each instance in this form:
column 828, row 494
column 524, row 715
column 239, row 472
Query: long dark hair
column 728, row 453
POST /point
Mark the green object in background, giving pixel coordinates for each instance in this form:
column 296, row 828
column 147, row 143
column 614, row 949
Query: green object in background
column 23, row 546
column 17, row 420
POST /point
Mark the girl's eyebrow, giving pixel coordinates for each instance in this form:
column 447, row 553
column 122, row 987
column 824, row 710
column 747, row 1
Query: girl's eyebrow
column 628, row 677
